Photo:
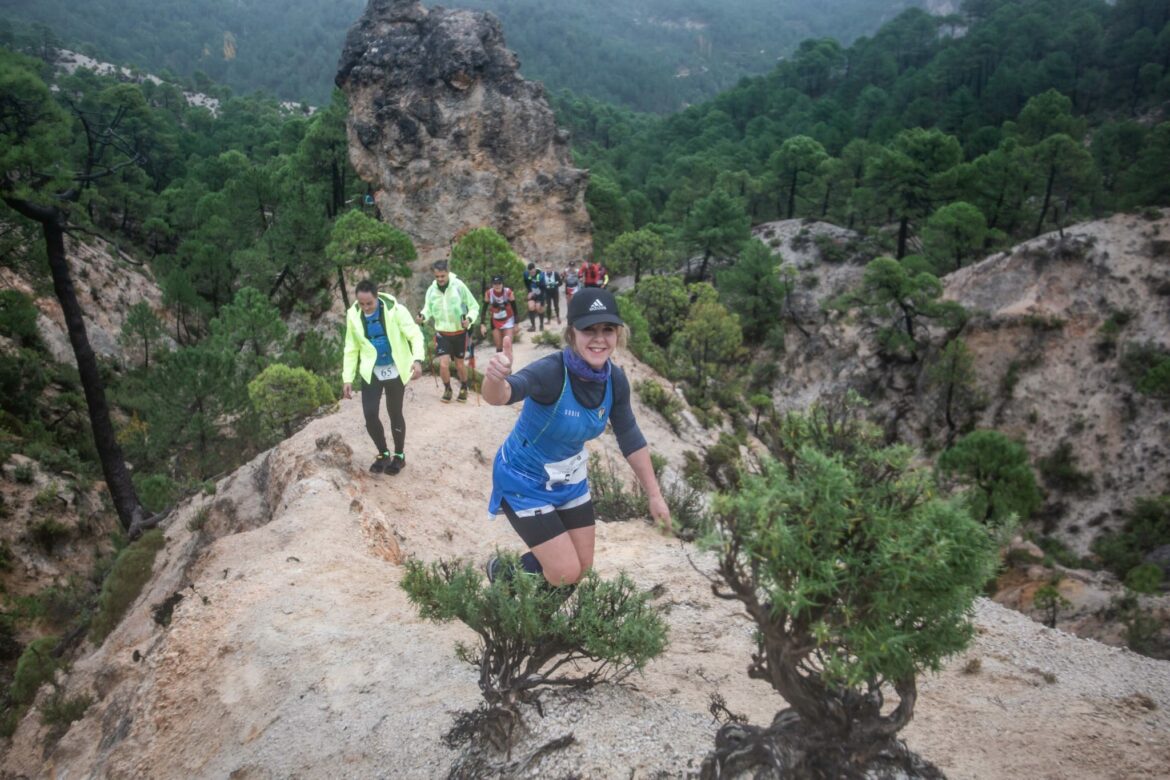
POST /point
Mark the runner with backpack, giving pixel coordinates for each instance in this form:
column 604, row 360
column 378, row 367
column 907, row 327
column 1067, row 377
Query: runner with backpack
column 500, row 303
column 550, row 285
column 593, row 274
column 534, row 282
column 572, row 283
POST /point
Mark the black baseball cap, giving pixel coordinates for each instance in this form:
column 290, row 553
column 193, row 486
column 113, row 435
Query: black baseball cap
column 497, row 279
column 592, row 306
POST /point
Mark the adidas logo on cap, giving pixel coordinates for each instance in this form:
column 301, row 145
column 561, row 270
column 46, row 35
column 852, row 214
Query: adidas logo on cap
column 597, row 305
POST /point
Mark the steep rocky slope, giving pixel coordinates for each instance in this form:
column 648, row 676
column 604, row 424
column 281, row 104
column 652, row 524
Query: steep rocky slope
column 1048, row 368
column 293, row 652
column 442, row 125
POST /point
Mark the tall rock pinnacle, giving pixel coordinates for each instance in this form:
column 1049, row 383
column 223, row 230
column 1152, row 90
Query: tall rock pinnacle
column 441, row 122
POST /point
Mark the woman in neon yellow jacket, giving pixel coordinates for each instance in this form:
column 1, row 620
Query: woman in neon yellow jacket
column 385, row 347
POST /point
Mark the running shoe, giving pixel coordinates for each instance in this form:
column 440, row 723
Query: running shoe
column 446, row 396
column 462, row 397
column 380, row 463
column 397, row 463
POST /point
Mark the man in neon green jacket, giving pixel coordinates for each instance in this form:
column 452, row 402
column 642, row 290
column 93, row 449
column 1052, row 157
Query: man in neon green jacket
column 454, row 309
column 385, row 347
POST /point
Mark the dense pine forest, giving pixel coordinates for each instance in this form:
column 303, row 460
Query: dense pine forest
column 1036, row 113
column 939, row 139
column 648, row 55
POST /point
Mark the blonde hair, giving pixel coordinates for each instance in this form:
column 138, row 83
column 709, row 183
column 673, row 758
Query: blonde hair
column 570, row 338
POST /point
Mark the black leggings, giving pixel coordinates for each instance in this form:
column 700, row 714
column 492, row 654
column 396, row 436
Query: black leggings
column 539, row 528
column 371, row 393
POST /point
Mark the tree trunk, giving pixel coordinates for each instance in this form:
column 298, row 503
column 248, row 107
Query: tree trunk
column 1047, row 200
column 903, row 236
column 703, row 267
column 792, row 194
column 344, row 292
column 113, row 463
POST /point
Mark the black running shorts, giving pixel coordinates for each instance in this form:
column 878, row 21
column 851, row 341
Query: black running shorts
column 455, row 346
column 539, row 528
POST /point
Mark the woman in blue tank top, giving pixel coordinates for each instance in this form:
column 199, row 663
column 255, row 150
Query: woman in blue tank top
column 540, row 475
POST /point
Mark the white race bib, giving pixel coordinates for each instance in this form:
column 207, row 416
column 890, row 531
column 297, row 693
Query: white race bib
column 569, row 471
column 386, row 372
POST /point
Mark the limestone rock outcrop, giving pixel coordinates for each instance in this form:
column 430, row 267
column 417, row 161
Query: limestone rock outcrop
column 444, row 127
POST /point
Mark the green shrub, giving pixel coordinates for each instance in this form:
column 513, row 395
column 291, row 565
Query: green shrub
column 688, row 510
column 1011, row 378
column 1110, row 330
column 548, row 338
column 1056, row 551
column 723, row 463
column 693, row 471
column 1146, row 578
column 708, row 418
column 130, row 572
column 1050, row 602
column 59, row 606
column 35, row 668
column 198, row 520
column 47, row 533
column 662, row 401
column 658, row 463
column 46, row 498
column 156, row 491
column 857, row 576
column 1146, row 527
column 995, row 470
column 1059, row 471
column 24, row 474
column 1142, row 628
column 641, row 341
column 610, row 498
column 284, row 396
column 832, row 250
column 532, row 638
column 1147, row 366
column 59, row 710
column 18, row 318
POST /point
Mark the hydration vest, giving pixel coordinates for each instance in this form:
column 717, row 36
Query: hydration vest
column 593, row 274
column 501, row 307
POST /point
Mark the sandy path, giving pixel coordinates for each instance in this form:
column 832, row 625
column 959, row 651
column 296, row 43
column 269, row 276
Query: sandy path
column 296, row 654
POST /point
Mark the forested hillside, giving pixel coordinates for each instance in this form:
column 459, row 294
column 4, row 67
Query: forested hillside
column 649, row 55
column 1034, row 112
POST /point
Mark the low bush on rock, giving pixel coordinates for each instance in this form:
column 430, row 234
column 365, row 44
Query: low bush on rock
column 532, row 638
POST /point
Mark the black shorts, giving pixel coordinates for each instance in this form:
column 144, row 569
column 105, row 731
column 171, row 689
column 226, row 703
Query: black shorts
column 455, row 346
column 539, row 528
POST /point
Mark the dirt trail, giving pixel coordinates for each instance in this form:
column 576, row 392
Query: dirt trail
column 295, row 653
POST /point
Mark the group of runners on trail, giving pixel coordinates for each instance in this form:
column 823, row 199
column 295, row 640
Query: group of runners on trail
column 543, row 288
column 540, row 473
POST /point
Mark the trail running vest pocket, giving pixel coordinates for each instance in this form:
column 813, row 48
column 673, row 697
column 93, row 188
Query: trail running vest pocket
column 569, row 471
column 386, row 372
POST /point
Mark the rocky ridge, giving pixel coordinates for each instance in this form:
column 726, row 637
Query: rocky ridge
column 450, row 135
column 291, row 650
